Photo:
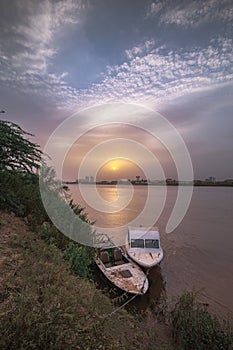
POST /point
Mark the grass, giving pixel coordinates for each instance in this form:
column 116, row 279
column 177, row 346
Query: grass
column 45, row 306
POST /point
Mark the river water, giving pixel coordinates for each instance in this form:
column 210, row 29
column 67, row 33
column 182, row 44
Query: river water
column 197, row 254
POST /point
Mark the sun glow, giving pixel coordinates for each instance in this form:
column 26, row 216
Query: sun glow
column 114, row 165
column 119, row 168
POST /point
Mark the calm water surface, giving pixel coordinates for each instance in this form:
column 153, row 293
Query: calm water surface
column 198, row 254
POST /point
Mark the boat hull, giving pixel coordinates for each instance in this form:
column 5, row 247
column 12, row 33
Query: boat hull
column 143, row 246
column 146, row 260
column 127, row 277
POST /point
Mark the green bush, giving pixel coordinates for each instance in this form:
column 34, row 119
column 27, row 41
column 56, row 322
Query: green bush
column 79, row 260
column 194, row 328
column 18, row 190
column 52, row 235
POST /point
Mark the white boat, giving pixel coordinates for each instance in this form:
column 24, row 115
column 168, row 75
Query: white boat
column 143, row 246
column 118, row 268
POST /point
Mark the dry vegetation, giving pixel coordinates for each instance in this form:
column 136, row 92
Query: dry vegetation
column 45, row 306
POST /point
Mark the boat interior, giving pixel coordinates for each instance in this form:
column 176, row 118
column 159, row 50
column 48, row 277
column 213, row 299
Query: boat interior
column 112, row 257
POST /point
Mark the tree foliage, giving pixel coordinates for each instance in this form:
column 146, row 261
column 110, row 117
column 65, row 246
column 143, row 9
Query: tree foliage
column 27, row 194
column 19, row 160
column 17, row 153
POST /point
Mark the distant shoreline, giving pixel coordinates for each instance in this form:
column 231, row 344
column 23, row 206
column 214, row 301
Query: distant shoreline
column 114, row 183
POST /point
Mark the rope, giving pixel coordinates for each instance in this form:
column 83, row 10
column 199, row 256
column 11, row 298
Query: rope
column 106, row 316
column 120, row 307
column 114, row 311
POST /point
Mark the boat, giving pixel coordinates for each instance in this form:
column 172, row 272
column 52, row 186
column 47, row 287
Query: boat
column 118, row 268
column 143, row 246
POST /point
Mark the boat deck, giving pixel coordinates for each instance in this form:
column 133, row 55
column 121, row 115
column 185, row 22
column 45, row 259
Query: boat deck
column 126, row 276
column 146, row 258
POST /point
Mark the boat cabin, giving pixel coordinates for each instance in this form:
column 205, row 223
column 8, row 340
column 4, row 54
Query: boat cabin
column 143, row 239
column 143, row 246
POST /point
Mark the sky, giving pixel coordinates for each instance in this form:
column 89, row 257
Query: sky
column 174, row 57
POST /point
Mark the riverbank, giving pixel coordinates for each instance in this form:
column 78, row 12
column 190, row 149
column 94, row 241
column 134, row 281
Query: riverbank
column 45, row 305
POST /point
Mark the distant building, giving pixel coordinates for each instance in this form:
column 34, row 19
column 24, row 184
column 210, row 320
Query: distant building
column 228, row 182
column 84, row 181
column 157, row 182
column 211, row 179
column 92, row 180
column 171, row 181
column 123, row 182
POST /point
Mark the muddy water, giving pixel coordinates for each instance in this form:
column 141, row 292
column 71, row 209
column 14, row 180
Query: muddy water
column 198, row 254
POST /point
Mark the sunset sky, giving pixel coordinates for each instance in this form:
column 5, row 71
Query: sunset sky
column 175, row 57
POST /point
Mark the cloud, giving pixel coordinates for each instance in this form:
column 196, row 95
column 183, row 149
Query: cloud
column 191, row 13
column 26, row 58
column 150, row 74
column 157, row 75
column 140, row 49
column 155, row 8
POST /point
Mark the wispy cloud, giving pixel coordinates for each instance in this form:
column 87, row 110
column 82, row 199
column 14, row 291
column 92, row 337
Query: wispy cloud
column 156, row 75
column 140, row 49
column 192, row 13
column 150, row 74
column 154, row 8
column 28, row 61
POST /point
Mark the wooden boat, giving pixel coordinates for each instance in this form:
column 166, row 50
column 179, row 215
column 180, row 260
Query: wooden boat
column 143, row 246
column 118, row 268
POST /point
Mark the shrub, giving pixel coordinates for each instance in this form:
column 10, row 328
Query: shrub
column 51, row 235
column 194, row 328
column 79, row 260
column 18, row 192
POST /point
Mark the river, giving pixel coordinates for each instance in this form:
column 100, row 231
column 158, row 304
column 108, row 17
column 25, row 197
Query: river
column 197, row 254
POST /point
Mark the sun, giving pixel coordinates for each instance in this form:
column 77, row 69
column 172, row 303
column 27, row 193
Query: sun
column 114, row 165
column 117, row 169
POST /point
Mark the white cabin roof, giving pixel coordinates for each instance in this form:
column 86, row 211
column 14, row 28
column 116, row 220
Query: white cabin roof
column 143, row 233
